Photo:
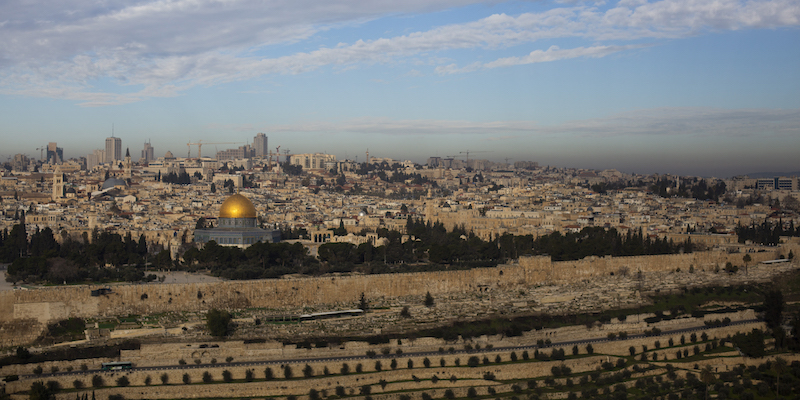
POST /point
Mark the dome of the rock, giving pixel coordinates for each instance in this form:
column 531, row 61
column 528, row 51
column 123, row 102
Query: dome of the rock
column 237, row 206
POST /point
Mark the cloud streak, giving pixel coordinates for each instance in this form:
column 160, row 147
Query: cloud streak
column 120, row 52
column 677, row 122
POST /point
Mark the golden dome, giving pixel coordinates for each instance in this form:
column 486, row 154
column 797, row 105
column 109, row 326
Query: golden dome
column 237, row 206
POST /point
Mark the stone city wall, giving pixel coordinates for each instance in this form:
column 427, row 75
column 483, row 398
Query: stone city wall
column 55, row 303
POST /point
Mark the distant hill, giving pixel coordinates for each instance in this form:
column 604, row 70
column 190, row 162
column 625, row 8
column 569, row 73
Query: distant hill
column 758, row 175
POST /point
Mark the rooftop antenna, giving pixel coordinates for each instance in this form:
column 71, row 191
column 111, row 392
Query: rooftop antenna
column 112, row 129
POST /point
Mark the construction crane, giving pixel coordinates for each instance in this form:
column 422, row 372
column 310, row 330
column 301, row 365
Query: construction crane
column 467, row 153
column 200, row 144
column 41, row 153
column 286, row 153
column 277, row 155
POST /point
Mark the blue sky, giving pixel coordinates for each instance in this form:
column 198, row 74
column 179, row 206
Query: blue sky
column 696, row 87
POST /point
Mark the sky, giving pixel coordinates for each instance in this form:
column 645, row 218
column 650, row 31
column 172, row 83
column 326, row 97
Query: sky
column 689, row 87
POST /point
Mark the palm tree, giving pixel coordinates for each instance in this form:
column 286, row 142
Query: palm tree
column 707, row 377
column 779, row 366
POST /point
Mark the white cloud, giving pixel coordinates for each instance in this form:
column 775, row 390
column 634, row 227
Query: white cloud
column 160, row 48
column 537, row 56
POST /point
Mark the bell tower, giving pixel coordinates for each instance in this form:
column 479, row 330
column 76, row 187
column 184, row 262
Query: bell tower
column 127, row 163
column 58, row 184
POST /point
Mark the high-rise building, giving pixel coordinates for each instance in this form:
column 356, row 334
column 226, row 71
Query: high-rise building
column 260, row 145
column 55, row 154
column 236, row 154
column 148, row 154
column 95, row 158
column 113, row 149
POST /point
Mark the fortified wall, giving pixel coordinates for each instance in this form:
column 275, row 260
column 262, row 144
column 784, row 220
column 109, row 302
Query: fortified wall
column 38, row 307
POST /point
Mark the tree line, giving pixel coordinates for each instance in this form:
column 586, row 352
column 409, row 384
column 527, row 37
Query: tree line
column 106, row 257
column 427, row 247
column 766, row 233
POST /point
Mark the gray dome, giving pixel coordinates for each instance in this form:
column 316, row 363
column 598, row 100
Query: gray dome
column 111, row 182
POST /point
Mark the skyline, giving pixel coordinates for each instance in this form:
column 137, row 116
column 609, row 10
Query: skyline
column 686, row 87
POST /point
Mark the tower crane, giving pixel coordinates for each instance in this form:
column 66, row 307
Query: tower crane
column 286, row 153
column 200, row 144
column 467, row 153
column 277, row 155
column 41, row 153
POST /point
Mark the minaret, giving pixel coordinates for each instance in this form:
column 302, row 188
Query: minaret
column 127, row 163
column 58, row 184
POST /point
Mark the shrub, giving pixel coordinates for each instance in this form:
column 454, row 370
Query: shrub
column 77, row 384
column 393, row 364
column 472, row 393
column 268, row 374
column 182, row 362
column 448, row 394
column 148, row 380
column 287, row 372
column 207, row 377
column 308, row 372
column 218, row 322
column 426, row 362
column 228, row 359
column 359, row 368
column 97, row 381
column 473, row 361
column 345, row 369
column 227, row 376
column 186, row 379
column 248, row 375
